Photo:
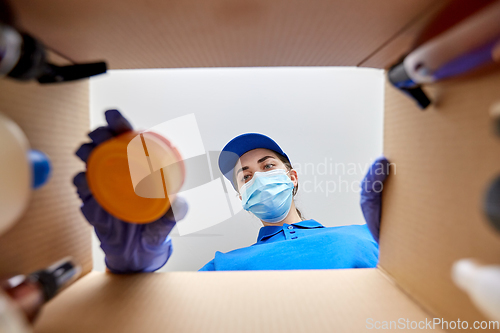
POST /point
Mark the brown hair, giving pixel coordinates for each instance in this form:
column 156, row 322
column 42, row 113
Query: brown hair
column 288, row 167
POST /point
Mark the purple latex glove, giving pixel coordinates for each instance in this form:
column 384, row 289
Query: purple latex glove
column 128, row 247
column 371, row 194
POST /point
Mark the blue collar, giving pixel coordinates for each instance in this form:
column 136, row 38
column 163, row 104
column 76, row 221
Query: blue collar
column 269, row 231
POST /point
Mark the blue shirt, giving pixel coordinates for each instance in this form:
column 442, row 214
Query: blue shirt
column 303, row 245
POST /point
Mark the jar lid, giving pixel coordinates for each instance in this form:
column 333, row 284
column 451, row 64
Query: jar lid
column 135, row 175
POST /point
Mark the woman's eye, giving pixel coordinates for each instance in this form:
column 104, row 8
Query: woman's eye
column 246, row 177
column 268, row 166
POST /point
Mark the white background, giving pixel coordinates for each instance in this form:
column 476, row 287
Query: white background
column 321, row 117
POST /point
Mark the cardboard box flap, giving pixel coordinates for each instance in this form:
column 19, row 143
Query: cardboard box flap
column 219, row 33
column 446, row 157
column 252, row 301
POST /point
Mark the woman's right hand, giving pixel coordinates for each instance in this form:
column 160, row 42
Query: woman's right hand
column 127, row 247
column 371, row 194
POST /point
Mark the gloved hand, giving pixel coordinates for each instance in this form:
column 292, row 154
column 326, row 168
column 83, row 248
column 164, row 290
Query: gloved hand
column 371, row 194
column 128, row 247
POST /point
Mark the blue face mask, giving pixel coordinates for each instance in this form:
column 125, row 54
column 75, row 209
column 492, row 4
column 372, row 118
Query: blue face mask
column 268, row 195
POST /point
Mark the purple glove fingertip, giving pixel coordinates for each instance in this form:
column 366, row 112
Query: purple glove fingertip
column 82, row 187
column 100, row 135
column 84, row 151
column 372, row 183
column 117, row 123
column 371, row 194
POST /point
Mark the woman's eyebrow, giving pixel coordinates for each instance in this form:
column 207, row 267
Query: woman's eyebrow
column 259, row 161
column 242, row 169
column 264, row 158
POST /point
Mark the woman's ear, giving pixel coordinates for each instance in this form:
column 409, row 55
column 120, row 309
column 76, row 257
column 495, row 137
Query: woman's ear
column 294, row 177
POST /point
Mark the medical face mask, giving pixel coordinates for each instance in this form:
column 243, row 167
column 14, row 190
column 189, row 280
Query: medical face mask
column 268, row 195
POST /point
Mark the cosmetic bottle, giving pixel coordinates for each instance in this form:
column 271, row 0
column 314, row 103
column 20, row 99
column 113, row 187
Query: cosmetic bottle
column 30, row 292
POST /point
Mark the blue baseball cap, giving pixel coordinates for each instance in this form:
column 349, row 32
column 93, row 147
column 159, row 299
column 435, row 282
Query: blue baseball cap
column 241, row 144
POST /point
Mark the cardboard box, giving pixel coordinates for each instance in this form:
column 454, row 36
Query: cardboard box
column 432, row 208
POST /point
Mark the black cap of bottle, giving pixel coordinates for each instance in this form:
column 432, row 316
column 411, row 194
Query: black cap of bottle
column 56, row 277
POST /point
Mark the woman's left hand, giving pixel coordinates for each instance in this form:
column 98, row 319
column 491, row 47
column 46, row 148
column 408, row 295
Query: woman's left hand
column 371, row 194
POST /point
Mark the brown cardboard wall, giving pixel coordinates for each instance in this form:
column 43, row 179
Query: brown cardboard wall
column 220, row 33
column 432, row 211
column 254, row 301
column 55, row 119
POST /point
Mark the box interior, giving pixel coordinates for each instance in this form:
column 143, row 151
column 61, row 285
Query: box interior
column 432, row 207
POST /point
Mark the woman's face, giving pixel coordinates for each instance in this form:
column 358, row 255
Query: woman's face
column 259, row 160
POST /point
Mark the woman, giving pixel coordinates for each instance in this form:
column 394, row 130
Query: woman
column 263, row 176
